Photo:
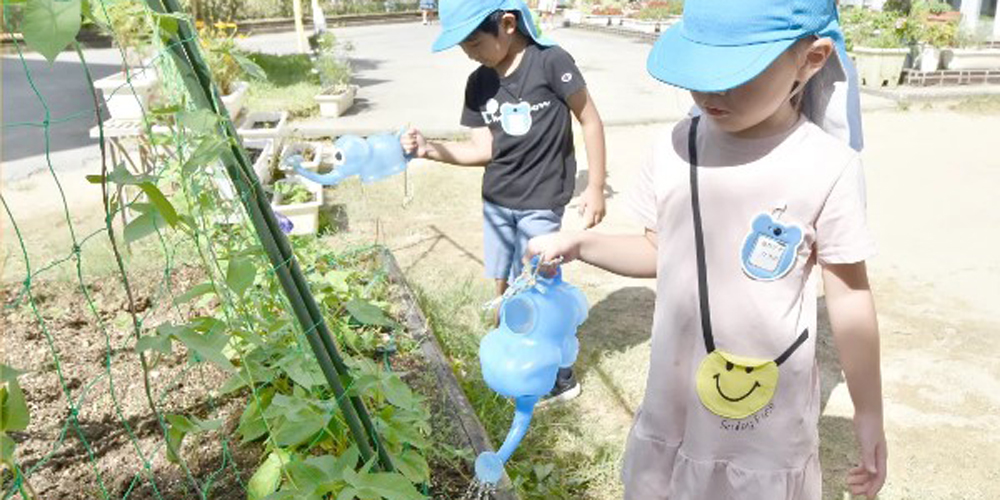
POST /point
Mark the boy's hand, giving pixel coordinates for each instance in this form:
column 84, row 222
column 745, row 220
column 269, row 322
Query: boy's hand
column 551, row 246
column 867, row 479
column 592, row 206
column 413, row 143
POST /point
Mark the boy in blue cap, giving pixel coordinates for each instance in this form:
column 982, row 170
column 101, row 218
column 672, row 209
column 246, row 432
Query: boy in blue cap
column 740, row 204
column 518, row 105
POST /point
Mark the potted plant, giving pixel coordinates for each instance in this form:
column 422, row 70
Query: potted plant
column 934, row 37
column 263, row 125
column 128, row 92
column 311, row 152
column 338, row 92
column 261, row 152
column 876, row 40
column 299, row 202
column 229, row 66
column 942, row 12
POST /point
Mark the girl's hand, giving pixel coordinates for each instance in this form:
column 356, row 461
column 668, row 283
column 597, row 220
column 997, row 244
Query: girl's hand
column 413, row 143
column 867, row 479
column 550, row 247
column 592, row 207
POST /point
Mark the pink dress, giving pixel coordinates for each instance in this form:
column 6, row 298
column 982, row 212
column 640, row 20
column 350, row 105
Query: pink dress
column 804, row 179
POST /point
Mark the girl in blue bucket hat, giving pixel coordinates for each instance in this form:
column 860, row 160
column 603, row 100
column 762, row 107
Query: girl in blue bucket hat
column 518, row 104
column 740, row 203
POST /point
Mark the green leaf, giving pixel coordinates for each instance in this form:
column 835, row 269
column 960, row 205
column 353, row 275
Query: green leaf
column 195, row 291
column 303, row 370
column 347, row 461
column 251, row 68
column 8, row 374
column 160, row 201
column 166, row 110
column 297, row 420
column 412, row 465
column 240, row 274
column 268, row 476
column 7, row 446
column 143, row 225
column 168, row 26
column 159, row 343
column 200, row 121
column 13, row 408
column 202, row 345
column 543, row 471
column 208, row 151
column 50, row 25
column 120, row 175
column 175, row 438
column 398, row 393
column 367, row 314
column 307, row 477
column 348, row 494
column 387, row 485
column 252, row 422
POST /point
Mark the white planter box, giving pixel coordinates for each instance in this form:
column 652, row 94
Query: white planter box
column 332, row 106
column 573, row 16
column 262, row 165
column 879, row 67
column 128, row 100
column 971, row 58
column 603, row 20
column 234, row 101
column 300, row 148
column 247, row 131
column 304, row 216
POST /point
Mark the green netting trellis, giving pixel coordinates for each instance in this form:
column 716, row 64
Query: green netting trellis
column 177, row 346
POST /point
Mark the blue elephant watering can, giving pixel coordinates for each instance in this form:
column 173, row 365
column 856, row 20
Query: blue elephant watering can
column 521, row 358
column 372, row 159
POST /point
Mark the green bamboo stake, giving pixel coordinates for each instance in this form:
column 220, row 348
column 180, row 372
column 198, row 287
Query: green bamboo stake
column 275, row 243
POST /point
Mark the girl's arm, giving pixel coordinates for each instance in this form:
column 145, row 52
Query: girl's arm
column 474, row 152
column 628, row 255
column 855, row 332
column 592, row 200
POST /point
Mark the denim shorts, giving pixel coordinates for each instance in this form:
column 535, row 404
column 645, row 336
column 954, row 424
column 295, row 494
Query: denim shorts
column 506, row 233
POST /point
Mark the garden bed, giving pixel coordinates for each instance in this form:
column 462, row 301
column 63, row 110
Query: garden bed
column 61, row 465
column 63, row 457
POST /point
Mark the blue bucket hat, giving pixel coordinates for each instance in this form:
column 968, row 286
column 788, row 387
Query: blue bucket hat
column 459, row 18
column 722, row 44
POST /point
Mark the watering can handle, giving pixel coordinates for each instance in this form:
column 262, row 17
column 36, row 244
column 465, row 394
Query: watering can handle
column 554, row 278
column 399, row 135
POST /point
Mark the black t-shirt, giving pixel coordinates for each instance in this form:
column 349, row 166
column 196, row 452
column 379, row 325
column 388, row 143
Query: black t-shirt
column 533, row 164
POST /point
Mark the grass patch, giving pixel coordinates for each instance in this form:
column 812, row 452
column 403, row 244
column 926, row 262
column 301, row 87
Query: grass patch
column 988, row 105
column 290, row 85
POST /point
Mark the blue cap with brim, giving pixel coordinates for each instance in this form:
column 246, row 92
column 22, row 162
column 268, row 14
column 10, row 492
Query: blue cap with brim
column 459, row 18
column 719, row 45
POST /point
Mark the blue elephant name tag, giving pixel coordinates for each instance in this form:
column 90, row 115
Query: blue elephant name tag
column 771, row 248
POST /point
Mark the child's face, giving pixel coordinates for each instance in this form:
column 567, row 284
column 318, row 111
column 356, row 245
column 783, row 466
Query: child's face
column 490, row 50
column 763, row 105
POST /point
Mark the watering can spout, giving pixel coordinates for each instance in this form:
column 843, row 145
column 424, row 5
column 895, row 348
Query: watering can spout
column 329, row 179
column 489, row 465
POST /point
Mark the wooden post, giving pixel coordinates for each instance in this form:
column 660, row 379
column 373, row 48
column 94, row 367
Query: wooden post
column 300, row 34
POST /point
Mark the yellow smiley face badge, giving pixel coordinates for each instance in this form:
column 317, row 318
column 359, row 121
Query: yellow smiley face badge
column 735, row 386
